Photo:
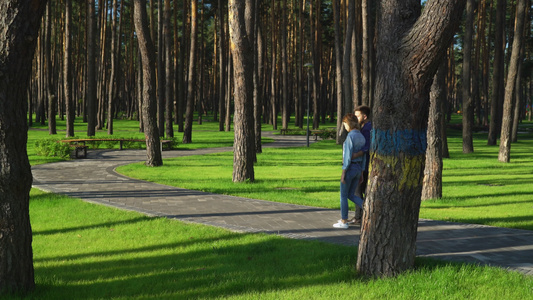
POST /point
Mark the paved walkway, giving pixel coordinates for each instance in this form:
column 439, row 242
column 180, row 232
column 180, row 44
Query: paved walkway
column 94, row 180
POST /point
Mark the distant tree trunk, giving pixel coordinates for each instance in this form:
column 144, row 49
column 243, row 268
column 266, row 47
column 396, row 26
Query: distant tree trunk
column 227, row 121
column 91, row 69
column 222, row 52
column 338, row 68
column 50, row 91
column 366, row 55
column 298, row 116
column 406, row 64
column 187, row 134
column 258, row 77
column 112, row 76
column 20, row 21
column 273, row 68
column 153, row 147
column 505, row 138
column 242, row 37
column 432, row 182
column 346, row 64
column 284, row 69
column 498, row 73
column 519, row 98
column 160, row 70
column 357, row 45
column 140, row 93
column 67, row 71
column 468, row 108
column 475, row 75
column 169, row 95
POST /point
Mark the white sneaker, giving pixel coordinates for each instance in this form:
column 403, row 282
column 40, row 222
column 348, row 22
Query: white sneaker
column 340, row 224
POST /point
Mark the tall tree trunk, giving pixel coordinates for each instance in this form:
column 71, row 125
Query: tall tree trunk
column 407, row 61
column 298, row 116
column 242, row 37
column 316, row 53
column 50, row 91
column 160, row 70
column 273, row 69
column 346, row 64
column 505, row 137
column 112, row 76
column 229, row 80
column 258, row 76
column 67, row 71
column 222, row 54
column 498, row 73
column 146, row 47
column 284, row 69
column 169, row 95
column 468, row 107
column 20, row 21
column 432, row 182
column 338, row 69
column 91, row 69
column 519, row 98
column 187, row 134
column 367, row 45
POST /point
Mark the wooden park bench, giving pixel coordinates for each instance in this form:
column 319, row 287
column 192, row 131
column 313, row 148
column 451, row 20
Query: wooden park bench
column 80, row 147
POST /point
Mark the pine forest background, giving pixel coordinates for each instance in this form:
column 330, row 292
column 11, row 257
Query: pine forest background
column 321, row 49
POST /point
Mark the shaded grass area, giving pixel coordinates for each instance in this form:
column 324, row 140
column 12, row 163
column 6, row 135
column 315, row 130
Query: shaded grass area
column 87, row 251
column 477, row 188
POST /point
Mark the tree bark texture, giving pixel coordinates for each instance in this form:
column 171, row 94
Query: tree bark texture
column 338, row 67
column 241, row 38
column 20, row 21
column 147, row 49
column 113, row 71
column 468, row 107
column 505, row 136
column 222, row 54
column 432, row 183
column 67, row 71
column 410, row 47
column 169, row 94
column 91, row 69
column 187, row 133
column 498, row 74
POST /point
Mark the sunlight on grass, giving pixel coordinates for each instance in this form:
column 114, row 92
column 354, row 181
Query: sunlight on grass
column 87, row 251
column 477, row 188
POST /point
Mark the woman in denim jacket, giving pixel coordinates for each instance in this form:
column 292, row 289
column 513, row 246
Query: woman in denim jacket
column 352, row 169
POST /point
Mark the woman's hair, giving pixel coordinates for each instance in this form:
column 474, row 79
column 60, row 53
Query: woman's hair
column 352, row 121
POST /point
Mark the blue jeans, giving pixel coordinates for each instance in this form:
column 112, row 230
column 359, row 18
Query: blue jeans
column 351, row 179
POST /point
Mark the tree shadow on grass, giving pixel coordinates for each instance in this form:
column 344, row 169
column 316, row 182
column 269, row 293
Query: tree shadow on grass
column 226, row 265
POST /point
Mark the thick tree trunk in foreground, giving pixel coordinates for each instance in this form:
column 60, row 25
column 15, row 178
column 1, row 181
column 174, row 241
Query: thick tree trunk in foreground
column 146, row 47
column 409, row 51
column 505, row 137
column 20, row 21
column 242, row 41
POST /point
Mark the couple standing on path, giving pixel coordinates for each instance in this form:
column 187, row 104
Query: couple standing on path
column 355, row 161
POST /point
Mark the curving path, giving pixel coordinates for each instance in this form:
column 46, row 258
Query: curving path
column 94, row 180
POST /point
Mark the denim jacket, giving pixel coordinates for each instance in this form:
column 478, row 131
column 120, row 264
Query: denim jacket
column 353, row 144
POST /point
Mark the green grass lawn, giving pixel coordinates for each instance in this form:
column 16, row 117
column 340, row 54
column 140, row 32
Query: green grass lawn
column 477, row 188
column 87, row 251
